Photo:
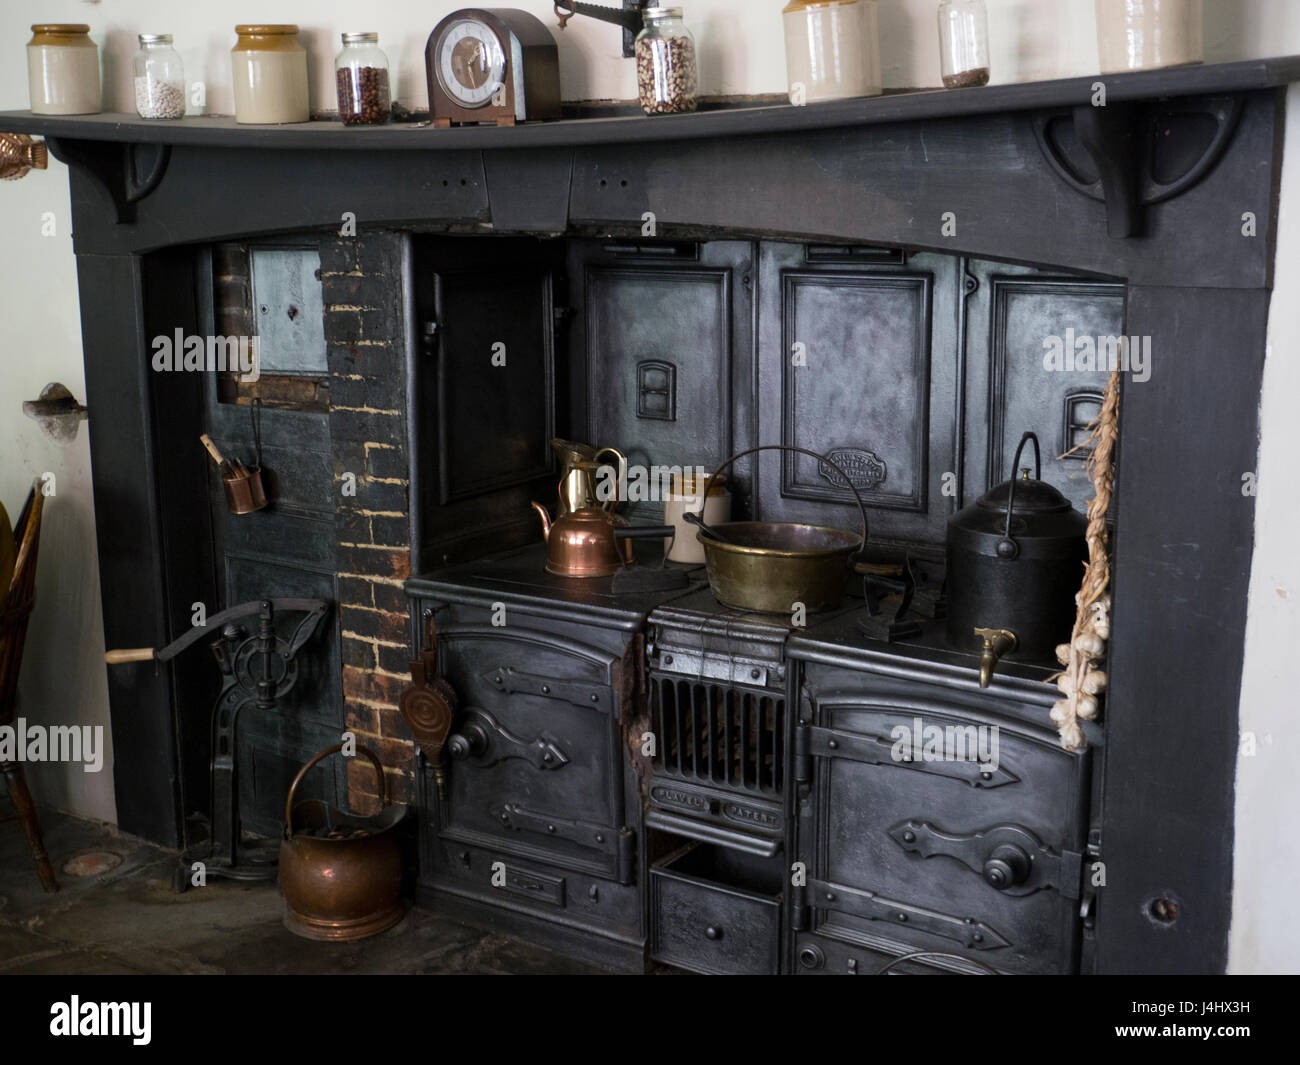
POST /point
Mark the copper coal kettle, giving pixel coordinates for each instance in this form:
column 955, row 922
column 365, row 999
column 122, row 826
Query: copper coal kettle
column 340, row 874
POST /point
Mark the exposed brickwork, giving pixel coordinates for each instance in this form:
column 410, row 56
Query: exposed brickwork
column 362, row 285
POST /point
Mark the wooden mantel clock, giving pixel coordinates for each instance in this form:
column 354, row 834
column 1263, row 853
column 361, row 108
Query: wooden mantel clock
column 492, row 64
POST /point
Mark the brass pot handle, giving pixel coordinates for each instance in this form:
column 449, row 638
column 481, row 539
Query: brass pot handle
column 704, row 499
column 319, row 756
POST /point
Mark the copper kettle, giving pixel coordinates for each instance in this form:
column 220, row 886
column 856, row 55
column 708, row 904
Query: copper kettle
column 589, row 542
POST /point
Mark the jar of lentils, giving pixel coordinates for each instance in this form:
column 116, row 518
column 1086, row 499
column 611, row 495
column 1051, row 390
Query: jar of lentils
column 159, row 78
column 666, row 76
column 361, row 72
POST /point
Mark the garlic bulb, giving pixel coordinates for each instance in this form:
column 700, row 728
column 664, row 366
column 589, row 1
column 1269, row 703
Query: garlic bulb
column 1086, row 706
column 1065, row 683
column 1094, row 682
column 1060, row 712
column 1072, row 737
column 1063, row 653
column 1090, row 644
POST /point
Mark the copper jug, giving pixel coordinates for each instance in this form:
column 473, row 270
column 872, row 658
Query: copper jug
column 580, row 467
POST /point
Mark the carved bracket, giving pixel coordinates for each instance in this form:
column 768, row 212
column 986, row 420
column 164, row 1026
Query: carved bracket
column 1132, row 155
column 127, row 173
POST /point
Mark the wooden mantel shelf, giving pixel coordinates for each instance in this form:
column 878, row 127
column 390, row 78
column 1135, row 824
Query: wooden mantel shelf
column 223, row 131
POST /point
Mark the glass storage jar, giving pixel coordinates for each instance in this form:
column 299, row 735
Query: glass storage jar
column 159, row 78
column 269, row 65
column 667, row 78
column 1141, row 34
column 63, row 70
column 832, row 49
column 964, row 43
column 361, row 73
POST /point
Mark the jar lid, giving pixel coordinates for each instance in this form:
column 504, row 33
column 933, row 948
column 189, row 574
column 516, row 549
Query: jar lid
column 155, row 38
column 662, row 12
column 360, row 38
column 60, row 29
column 271, row 30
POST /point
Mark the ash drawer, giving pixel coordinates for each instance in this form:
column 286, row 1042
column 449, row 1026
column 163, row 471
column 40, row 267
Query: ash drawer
column 716, row 910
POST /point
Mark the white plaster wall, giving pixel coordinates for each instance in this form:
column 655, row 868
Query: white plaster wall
column 742, row 52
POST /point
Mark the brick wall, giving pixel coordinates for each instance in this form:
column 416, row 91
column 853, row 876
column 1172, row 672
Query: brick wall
column 361, row 279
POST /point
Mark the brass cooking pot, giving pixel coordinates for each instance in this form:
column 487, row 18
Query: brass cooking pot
column 769, row 566
column 340, row 874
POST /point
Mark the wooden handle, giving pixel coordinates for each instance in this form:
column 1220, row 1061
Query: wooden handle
column 129, row 654
column 212, row 449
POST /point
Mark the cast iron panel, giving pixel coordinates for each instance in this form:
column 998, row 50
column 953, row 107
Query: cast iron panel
column 856, row 386
column 495, row 339
column 480, row 429
column 1024, row 314
column 662, row 338
column 859, row 361
column 896, row 851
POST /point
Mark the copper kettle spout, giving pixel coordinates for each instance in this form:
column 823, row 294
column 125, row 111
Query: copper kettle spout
column 997, row 642
column 546, row 520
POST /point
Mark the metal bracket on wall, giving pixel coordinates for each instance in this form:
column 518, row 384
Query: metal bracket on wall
column 126, row 172
column 812, row 741
column 1132, row 155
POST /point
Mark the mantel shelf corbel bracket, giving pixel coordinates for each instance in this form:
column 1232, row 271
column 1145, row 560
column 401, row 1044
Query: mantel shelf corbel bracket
column 1133, row 155
column 125, row 172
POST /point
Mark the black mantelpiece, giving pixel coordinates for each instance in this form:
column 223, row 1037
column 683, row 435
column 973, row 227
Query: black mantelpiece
column 883, row 172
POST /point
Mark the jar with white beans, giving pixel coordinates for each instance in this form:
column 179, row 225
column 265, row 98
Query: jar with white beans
column 159, row 78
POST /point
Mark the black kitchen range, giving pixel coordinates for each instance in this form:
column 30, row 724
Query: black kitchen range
column 697, row 528
column 680, row 735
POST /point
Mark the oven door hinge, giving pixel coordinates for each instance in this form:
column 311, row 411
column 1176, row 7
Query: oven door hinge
column 867, row 905
column 619, row 844
column 511, row 681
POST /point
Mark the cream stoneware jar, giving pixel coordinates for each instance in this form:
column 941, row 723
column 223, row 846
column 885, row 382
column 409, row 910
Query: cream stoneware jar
column 1142, row 34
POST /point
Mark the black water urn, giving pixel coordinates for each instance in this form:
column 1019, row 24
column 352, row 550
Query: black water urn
column 1015, row 564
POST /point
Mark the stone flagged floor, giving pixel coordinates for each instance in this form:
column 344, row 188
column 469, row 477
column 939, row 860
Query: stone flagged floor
column 129, row 920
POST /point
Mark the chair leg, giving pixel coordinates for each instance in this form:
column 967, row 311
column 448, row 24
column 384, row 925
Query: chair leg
column 22, row 799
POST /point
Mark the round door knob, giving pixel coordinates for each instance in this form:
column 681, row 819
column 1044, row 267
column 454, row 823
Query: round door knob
column 811, row 957
column 1006, row 866
column 712, row 933
column 469, row 743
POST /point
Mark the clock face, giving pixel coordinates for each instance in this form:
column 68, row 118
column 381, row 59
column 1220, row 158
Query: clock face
column 471, row 62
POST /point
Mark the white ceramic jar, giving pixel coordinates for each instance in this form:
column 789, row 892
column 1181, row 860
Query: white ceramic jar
column 1141, row 34
column 63, row 70
column 684, row 494
column 269, row 66
column 832, row 49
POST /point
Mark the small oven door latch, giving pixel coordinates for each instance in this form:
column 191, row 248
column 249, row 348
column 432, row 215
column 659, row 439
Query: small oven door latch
column 1009, row 858
column 618, row 844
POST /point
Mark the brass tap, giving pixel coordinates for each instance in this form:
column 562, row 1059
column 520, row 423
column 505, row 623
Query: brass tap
column 997, row 642
column 19, row 154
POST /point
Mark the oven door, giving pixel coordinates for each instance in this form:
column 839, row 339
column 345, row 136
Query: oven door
column 535, row 750
column 927, row 823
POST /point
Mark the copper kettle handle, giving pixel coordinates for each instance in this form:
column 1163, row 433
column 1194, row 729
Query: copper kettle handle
column 1007, row 547
column 319, row 756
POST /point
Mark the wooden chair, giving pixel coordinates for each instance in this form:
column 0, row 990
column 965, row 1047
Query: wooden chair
column 15, row 611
